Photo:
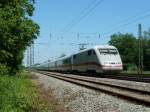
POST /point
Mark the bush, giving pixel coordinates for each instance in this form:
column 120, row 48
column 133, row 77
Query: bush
column 19, row 94
column 4, row 70
column 130, row 67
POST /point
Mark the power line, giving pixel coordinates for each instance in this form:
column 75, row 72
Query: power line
column 82, row 12
column 83, row 16
column 140, row 64
column 89, row 10
column 127, row 23
column 134, row 16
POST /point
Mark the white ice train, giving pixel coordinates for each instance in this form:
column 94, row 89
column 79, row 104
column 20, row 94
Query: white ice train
column 99, row 59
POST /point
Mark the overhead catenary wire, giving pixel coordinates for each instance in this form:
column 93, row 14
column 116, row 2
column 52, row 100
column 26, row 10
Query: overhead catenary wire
column 93, row 5
column 126, row 23
column 81, row 13
column 122, row 23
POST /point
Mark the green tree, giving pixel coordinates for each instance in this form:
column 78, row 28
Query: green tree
column 127, row 47
column 17, row 31
column 146, row 49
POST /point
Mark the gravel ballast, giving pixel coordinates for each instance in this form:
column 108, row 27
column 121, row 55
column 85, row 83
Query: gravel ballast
column 80, row 99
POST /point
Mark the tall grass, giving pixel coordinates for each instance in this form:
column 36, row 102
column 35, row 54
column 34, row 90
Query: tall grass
column 19, row 94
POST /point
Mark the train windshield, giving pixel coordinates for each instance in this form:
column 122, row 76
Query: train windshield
column 108, row 51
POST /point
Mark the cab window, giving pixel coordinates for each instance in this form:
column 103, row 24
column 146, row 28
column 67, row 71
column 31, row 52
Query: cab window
column 89, row 52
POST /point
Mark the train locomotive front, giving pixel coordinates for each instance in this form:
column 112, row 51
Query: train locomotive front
column 109, row 59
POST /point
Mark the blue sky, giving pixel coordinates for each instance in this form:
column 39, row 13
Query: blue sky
column 110, row 16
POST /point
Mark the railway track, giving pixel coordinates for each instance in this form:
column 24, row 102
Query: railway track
column 120, row 76
column 129, row 77
column 136, row 95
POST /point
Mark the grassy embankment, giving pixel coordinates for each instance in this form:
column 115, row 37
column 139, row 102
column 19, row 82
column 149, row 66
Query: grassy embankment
column 19, row 94
column 136, row 72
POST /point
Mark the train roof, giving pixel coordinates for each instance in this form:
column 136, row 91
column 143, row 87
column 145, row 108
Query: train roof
column 95, row 47
column 104, row 46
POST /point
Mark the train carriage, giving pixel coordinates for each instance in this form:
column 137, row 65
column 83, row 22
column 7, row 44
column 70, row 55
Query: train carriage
column 100, row 59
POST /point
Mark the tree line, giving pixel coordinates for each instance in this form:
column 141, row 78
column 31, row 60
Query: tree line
column 128, row 47
column 17, row 31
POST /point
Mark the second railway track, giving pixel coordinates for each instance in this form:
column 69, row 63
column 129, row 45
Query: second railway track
column 129, row 77
column 129, row 93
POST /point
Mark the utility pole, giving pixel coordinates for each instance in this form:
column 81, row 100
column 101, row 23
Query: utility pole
column 33, row 54
column 140, row 65
column 50, row 36
column 28, row 57
column 99, row 36
column 78, row 35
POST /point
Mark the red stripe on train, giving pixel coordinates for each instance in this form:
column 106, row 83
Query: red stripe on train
column 90, row 63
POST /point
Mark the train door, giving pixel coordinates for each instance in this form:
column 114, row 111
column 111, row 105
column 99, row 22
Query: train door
column 72, row 62
column 55, row 65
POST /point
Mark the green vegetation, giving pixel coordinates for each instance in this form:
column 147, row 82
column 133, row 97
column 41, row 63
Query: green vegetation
column 136, row 72
column 4, row 70
column 18, row 94
column 127, row 44
column 17, row 31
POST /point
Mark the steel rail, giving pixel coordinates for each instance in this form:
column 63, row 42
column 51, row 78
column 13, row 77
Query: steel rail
column 132, row 94
column 130, row 77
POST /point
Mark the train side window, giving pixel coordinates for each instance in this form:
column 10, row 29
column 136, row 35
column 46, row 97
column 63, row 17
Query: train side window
column 74, row 56
column 89, row 52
